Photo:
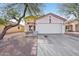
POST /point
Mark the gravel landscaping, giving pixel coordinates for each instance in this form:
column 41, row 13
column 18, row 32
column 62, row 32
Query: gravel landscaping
column 17, row 44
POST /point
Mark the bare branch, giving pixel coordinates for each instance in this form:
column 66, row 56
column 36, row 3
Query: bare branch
column 25, row 9
column 15, row 18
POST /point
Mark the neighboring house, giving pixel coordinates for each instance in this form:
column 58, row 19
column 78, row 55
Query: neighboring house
column 72, row 26
column 19, row 28
column 47, row 24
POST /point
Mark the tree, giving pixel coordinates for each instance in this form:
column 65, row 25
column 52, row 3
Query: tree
column 31, row 18
column 70, row 9
column 18, row 12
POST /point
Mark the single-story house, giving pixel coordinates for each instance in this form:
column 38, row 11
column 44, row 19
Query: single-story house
column 47, row 24
column 72, row 26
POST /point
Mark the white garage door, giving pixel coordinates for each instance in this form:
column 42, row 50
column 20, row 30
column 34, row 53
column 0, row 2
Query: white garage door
column 49, row 28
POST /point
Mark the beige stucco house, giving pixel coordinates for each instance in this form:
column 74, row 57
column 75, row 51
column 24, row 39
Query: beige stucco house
column 72, row 26
column 46, row 24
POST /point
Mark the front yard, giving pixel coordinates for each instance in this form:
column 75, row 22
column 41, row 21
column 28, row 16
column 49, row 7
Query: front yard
column 17, row 44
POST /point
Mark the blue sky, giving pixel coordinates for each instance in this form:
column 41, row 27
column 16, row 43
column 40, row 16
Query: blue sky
column 52, row 7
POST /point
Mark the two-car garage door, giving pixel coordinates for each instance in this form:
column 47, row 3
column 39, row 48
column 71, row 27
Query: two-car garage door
column 48, row 28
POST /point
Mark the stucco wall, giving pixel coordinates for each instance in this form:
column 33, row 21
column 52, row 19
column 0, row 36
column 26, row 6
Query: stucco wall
column 13, row 30
column 46, row 19
column 73, row 23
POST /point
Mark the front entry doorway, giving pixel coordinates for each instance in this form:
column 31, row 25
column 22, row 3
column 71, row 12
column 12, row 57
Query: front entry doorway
column 31, row 28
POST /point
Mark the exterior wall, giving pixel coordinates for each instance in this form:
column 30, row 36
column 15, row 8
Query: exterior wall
column 13, row 30
column 73, row 28
column 16, row 29
column 63, row 28
column 26, row 27
column 77, row 27
column 46, row 19
column 73, row 25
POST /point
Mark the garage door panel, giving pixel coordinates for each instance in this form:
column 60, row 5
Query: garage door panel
column 48, row 28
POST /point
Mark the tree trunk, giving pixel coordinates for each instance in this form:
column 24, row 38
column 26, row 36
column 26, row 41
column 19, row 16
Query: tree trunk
column 5, row 30
column 3, row 33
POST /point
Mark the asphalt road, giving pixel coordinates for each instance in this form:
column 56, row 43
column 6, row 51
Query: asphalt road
column 58, row 45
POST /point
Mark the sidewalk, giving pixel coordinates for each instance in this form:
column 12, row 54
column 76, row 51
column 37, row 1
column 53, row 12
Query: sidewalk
column 75, row 34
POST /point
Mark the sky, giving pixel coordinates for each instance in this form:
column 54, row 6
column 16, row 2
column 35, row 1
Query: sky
column 52, row 7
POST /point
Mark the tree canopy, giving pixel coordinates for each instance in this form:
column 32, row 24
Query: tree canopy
column 15, row 11
column 69, row 9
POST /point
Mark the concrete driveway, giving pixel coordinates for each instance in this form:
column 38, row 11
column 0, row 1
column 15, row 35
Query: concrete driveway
column 58, row 45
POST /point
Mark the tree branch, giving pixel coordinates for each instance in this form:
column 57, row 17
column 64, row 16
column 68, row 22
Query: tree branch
column 25, row 9
column 19, row 20
column 15, row 18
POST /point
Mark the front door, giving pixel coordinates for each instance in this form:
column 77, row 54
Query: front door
column 31, row 28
